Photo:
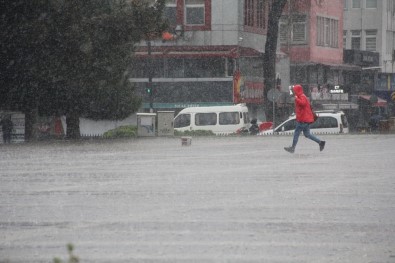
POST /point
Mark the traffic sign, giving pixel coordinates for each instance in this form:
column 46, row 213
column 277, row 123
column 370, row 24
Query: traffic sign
column 273, row 94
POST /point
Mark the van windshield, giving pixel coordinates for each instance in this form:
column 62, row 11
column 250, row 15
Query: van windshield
column 182, row 120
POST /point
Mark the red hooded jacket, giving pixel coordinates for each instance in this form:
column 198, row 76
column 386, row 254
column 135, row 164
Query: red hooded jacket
column 302, row 106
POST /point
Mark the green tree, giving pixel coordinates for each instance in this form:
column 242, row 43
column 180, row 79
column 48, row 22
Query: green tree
column 23, row 30
column 93, row 51
column 80, row 54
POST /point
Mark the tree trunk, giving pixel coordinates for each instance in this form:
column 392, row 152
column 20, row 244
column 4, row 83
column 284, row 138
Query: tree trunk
column 31, row 116
column 73, row 125
column 269, row 58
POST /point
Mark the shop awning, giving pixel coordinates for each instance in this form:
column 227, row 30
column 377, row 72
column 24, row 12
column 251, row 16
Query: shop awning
column 197, row 51
column 344, row 105
column 345, row 67
column 380, row 102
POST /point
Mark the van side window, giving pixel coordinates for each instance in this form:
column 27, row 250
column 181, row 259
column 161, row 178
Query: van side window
column 246, row 117
column 204, row 119
column 229, row 118
column 182, row 120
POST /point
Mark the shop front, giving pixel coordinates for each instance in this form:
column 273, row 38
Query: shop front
column 175, row 77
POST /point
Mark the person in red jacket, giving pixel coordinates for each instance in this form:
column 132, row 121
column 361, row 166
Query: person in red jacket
column 304, row 117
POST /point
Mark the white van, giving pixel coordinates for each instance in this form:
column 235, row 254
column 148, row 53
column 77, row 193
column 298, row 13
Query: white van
column 218, row 119
column 328, row 122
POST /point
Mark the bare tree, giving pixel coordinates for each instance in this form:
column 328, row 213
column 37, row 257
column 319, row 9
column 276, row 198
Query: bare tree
column 269, row 59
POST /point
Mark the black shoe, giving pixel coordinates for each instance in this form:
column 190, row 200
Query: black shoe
column 289, row 149
column 322, row 145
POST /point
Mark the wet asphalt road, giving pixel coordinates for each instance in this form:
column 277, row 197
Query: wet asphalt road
column 226, row 199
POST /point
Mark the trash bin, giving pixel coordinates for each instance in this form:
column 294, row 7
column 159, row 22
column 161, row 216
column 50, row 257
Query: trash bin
column 186, row 140
column 384, row 126
column 392, row 124
column 165, row 123
column 146, row 124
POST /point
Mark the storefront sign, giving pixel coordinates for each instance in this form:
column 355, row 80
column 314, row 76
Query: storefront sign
column 385, row 82
column 362, row 58
column 18, row 130
column 336, row 90
column 246, row 91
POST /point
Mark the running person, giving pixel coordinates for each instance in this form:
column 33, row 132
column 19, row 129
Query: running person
column 304, row 117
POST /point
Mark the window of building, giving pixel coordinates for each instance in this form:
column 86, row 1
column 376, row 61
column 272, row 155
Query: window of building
column 170, row 12
column 344, row 39
column 298, row 34
column 194, row 12
column 283, row 30
column 345, row 4
column 371, row 3
column 255, row 13
column 175, row 68
column 230, row 65
column 249, row 12
column 327, row 32
column 356, row 39
column 209, row 67
column 370, row 38
column 204, row 67
column 260, row 14
column 356, row 3
column 389, row 40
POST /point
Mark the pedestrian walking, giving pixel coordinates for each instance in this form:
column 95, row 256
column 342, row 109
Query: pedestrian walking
column 304, row 117
column 7, row 126
column 254, row 128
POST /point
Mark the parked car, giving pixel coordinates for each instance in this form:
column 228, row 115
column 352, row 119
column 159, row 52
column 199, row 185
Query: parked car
column 328, row 122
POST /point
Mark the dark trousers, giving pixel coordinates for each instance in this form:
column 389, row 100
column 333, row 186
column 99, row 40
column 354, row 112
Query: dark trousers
column 305, row 127
column 6, row 137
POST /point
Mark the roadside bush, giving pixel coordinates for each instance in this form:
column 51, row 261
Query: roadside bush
column 194, row 133
column 72, row 257
column 121, row 132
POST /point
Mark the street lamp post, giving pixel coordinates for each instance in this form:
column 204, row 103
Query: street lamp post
column 150, row 88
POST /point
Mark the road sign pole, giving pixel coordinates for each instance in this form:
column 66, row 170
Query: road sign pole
column 274, row 114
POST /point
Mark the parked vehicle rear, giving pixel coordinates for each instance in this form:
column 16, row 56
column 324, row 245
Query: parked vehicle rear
column 328, row 122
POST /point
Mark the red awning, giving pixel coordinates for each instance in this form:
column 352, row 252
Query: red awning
column 380, row 102
column 197, row 51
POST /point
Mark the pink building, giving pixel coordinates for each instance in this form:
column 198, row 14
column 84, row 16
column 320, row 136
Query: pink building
column 311, row 33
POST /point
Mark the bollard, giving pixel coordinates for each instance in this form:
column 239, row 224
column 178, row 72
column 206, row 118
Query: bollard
column 186, row 141
column 384, row 126
column 392, row 124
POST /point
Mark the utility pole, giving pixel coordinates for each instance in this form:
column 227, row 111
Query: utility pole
column 149, row 88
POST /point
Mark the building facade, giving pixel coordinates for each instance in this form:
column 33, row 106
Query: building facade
column 213, row 56
column 369, row 41
column 311, row 34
